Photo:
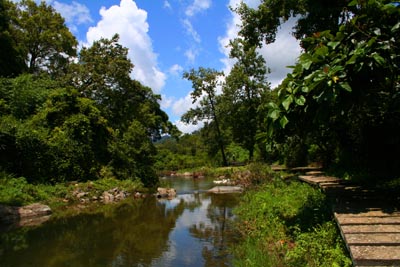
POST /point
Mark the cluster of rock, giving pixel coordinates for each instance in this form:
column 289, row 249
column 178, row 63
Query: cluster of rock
column 166, row 193
column 32, row 214
column 109, row 196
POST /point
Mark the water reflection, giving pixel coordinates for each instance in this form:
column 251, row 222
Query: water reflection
column 190, row 230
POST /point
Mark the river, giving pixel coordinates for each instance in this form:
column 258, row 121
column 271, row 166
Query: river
column 193, row 229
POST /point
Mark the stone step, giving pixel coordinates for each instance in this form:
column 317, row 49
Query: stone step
column 367, row 220
column 319, row 179
column 375, row 239
column 374, row 228
column 375, row 255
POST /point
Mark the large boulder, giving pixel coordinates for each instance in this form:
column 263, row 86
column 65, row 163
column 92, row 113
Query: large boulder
column 225, row 189
column 26, row 215
column 165, row 192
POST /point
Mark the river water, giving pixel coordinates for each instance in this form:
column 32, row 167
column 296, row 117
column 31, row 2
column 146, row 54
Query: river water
column 193, row 229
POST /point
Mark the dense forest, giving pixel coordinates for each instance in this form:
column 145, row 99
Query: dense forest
column 69, row 115
column 77, row 115
column 340, row 105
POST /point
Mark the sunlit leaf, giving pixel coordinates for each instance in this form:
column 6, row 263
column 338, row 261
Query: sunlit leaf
column 286, row 103
column 283, row 121
column 274, row 114
column 333, row 44
column 300, row 101
column 395, row 27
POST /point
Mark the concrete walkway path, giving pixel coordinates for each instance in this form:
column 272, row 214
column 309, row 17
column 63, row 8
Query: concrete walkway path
column 369, row 221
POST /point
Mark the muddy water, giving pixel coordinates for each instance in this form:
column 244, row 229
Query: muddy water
column 193, row 229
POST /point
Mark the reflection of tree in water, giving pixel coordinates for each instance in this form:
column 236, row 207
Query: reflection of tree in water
column 218, row 234
column 131, row 234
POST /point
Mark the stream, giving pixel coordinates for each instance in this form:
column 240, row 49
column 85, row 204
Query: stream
column 193, row 229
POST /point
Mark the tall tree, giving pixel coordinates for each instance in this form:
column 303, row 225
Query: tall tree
column 261, row 24
column 40, row 32
column 11, row 59
column 102, row 73
column 242, row 93
column 345, row 91
column 204, row 83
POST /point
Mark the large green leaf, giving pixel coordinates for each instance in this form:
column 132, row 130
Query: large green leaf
column 286, row 103
column 274, row 114
column 300, row 101
column 283, row 121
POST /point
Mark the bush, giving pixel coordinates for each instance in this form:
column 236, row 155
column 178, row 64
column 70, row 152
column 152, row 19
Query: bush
column 290, row 223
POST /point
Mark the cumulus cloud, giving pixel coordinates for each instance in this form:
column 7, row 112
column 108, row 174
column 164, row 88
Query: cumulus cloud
column 197, row 6
column 188, row 128
column 130, row 22
column 283, row 52
column 74, row 12
column 166, row 101
column 182, row 105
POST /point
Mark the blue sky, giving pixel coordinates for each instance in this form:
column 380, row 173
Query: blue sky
column 167, row 37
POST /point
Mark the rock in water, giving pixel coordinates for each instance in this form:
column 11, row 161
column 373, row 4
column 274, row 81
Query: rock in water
column 225, row 189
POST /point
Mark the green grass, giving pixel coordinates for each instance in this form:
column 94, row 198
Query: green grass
column 17, row 191
column 287, row 223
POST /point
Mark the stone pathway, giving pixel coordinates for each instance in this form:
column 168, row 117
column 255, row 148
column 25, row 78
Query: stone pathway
column 369, row 221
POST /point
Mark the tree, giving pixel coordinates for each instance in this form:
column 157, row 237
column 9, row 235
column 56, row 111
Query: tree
column 345, row 91
column 242, row 93
column 103, row 74
column 40, row 32
column 11, row 59
column 204, row 83
column 261, row 24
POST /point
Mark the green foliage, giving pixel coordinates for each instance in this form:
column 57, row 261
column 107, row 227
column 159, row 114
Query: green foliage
column 17, row 191
column 11, row 59
column 343, row 94
column 132, row 155
column 320, row 247
column 244, row 88
column 291, row 223
column 42, row 37
column 235, row 153
column 204, row 83
column 188, row 151
column 260, row 25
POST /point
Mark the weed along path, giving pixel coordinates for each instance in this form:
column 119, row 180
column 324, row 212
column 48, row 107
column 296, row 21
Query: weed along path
column 369, row 221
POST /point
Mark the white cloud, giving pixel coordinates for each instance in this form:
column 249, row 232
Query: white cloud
column 191, row 31
column 197, row 6
column 175, row 70
column 182, row 105
column 166, row 101
column 130, row 23
column 191, row 54
column 167, row 5
column 74, row 13
column 283, row 52
column 188, row 128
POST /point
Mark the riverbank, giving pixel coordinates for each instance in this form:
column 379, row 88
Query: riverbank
column 287, row 223
column 18, row 192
